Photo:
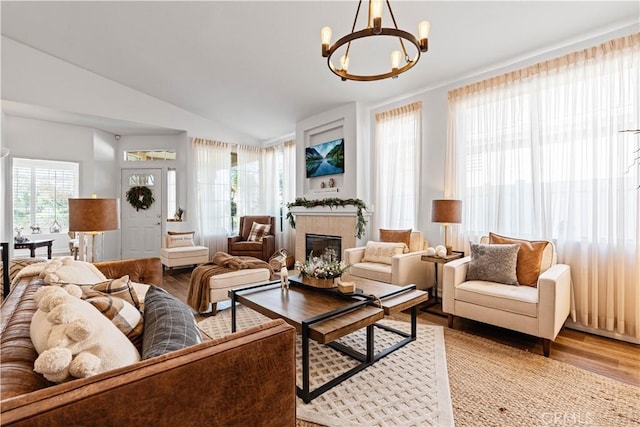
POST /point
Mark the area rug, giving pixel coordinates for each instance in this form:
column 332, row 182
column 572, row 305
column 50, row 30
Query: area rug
column 497, row 385
column 409, row 387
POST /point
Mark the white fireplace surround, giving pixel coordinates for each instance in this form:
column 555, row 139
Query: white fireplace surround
column 338, row 221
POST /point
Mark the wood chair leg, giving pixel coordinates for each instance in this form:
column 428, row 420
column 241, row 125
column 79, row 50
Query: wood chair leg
column 450, row 320
column 214, row 308
column 546, row 347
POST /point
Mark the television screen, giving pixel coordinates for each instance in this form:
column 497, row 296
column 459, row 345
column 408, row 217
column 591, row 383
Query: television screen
column 325, row 159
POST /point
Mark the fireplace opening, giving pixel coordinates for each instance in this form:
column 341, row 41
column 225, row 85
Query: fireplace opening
column 318, row 243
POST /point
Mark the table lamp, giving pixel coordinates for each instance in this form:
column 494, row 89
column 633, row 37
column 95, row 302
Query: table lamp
column 93, row 216
column 446, row 211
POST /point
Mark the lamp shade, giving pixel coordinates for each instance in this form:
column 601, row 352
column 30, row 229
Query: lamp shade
column 447, row 211
column 87, row 215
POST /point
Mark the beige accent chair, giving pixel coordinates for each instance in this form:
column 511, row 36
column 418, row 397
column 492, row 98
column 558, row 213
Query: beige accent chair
column 539, row 311
column 404, row 269
column 182, row 256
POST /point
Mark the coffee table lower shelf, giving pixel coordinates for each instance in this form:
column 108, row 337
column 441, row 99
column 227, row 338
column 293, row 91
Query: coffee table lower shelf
column 361, row 307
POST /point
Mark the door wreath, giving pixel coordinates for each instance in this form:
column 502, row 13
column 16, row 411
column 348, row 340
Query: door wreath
column 140, row 197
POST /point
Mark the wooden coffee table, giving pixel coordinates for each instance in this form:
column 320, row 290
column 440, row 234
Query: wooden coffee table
column 326, row 315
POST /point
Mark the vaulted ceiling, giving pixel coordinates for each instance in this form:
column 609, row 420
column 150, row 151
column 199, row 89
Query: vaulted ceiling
column 256, row 66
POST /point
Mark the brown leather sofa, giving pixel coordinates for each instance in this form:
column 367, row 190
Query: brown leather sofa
column 239, row 246
column 219, row 382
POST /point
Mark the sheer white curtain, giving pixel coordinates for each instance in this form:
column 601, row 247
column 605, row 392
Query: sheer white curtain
column 249, row 195
column 397, row 154
column 538, row 153
column 279, row 180
column 212, row 204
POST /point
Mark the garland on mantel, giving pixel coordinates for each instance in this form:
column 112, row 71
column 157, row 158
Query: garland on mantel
column 140, row 197
column 331, row 202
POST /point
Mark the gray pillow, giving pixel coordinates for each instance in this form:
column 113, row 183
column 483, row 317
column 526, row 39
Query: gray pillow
column 494, row 263
column 169, row 324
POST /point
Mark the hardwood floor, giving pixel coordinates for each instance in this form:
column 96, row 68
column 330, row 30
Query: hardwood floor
column 608, row 357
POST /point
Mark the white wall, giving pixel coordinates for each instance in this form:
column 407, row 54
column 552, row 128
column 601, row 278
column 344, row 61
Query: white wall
column 181, row 144
column 33, row 77
column 341, row 122
column 93, row 150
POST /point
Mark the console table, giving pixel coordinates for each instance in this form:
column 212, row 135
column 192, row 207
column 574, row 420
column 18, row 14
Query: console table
column 33, row 244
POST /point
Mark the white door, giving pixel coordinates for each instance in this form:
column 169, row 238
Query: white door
column 141, row 229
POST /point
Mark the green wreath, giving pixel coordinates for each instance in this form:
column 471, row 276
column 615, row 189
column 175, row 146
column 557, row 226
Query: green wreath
column 140, row 197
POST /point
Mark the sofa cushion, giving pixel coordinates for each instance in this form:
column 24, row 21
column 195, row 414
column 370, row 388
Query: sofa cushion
column 169, row 324
column 529, row 257
column 515, row 299
column 493, row 263
column 246, row 246
column 396, row 236
column 184, row 252
column 382, row 252
column 372, row 271
column 258, row 231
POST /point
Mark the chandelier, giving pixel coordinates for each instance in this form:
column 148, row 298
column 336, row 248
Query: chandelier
column 374, row 28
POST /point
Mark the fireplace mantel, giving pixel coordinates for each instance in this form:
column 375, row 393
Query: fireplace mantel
column 324, row 211
column 336, row 221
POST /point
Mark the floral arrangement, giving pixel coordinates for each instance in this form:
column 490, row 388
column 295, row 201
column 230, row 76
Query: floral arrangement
column 325, row 266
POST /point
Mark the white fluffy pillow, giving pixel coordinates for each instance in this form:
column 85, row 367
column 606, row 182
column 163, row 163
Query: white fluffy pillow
column 73, row 339
column 67, row 270
column 179, row 240
column 382, row 252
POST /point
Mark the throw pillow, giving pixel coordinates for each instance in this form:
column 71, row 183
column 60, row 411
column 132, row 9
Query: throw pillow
column 73, row 339
column 122, row 314
column 179, row 240
column 529, row 257
column 169, row 324
column 382, row 252
column 67, row 270
column 121, row 288
column 493, row 263
column 176, row 233
column 258, row 231
column 397, row 236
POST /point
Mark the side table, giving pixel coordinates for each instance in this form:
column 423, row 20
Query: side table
column 438, row 260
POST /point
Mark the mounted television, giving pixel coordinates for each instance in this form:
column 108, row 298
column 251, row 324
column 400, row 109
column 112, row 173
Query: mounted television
column 325, row 159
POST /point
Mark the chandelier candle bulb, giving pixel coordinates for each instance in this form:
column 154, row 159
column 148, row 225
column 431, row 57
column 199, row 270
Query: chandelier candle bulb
column 376, row 14
column 344, row 63
column 395, row 59
column 423, row 32
column 325, row 35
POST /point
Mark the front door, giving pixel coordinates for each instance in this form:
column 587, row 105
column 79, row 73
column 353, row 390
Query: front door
column 142, row 228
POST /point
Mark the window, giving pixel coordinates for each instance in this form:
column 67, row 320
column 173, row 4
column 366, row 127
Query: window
column 41, row 189
column 149, row 155
column 397, row 153
column 172, row 203
column 538, row 153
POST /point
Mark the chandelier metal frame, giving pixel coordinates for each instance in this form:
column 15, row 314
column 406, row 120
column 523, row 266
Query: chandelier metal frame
column 375, row 29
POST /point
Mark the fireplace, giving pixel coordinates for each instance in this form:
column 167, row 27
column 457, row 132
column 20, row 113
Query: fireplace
column 317, row 243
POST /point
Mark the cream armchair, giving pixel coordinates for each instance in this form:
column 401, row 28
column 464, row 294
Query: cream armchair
column 539, row 311
column 404, row 269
